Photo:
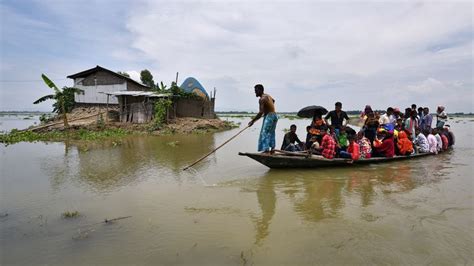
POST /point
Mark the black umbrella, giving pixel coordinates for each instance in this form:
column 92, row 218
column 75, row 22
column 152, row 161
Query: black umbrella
column 311, row 111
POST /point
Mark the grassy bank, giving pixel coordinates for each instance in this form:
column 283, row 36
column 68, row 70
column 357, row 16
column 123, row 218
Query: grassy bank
column 116, row 131
column 81, row 134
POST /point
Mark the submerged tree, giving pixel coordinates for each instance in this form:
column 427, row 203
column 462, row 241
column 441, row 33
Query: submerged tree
column 64, row 98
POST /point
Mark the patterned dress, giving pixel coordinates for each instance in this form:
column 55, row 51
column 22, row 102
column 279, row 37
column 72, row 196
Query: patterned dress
column 365, row 148
column 266, row 141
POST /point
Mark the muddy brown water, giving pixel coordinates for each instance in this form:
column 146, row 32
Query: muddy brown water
column 230, row 210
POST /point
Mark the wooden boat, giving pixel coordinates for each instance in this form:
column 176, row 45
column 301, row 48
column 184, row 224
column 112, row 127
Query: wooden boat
column 285, row 159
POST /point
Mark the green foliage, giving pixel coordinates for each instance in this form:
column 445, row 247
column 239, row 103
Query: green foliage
column 67, row 95
column 44, row 118
column 70, row 214
column 64, row 98
column 49, row 83
column 147, row 78
column 125, row 74
column 161, row 87
column 176, row 91
column 16, row 136
column 161, row 107
column 100, row 122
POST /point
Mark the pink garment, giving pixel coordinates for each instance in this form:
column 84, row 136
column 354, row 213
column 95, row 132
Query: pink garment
column 433, row 143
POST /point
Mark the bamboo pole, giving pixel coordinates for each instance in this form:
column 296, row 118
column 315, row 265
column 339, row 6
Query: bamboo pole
column 57, row 123
column 211, row 152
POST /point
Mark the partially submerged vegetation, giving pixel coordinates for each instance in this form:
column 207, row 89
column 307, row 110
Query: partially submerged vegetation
column 70, row 214
column 82, row 134
column 114, row 131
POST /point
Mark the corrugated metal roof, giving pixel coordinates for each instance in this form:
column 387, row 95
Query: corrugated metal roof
column 97, row 68
column 138, row 93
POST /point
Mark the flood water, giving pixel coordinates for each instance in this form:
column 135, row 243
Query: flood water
column 230, row 210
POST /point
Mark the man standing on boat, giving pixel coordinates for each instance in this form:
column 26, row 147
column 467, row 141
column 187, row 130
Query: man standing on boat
column 266, row 141
column 337, row 117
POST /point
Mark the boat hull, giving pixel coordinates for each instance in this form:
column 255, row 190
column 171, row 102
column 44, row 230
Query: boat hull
column 299, row 161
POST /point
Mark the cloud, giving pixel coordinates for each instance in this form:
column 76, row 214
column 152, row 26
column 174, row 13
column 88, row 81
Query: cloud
column 318, row 49
column 377, row 53
column 428, row 86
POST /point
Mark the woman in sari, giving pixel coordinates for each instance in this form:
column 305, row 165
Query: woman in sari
column 370, row 126
column 317, row 126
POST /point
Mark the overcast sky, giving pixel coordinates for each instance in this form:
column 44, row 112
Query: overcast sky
column 304, row 53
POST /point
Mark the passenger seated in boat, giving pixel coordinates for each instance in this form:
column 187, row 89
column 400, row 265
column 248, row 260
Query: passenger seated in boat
column 317, row 125
column 404, row 145
column 353, row 150
column 350, row 131
column 289, row 141
column 384, row 145
column 433, row 144
column 364, row 145
column 439, row 141
column 328, row 146
column 450, row 135
column 342, row 141
column 421, row 142
column 315, row 146
column 308, row 142
column 444, row 139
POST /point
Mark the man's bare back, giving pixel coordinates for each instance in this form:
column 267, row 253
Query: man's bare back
column 267, row 105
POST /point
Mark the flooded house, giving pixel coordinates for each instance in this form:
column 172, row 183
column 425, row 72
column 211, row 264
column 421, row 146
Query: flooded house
column 133, row 102
column 98, row 82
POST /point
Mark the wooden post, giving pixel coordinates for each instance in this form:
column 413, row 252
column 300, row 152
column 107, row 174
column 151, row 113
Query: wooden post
column 107, row 110
column 126, row 110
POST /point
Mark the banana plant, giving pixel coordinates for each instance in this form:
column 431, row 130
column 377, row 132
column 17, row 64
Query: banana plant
column 64, row 98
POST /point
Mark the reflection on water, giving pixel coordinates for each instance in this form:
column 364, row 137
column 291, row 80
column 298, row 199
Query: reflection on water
column 409, row 212
column 321, row 194
column 108, row 165
column 266, row 200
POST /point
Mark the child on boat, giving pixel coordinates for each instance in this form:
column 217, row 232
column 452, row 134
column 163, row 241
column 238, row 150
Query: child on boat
column 353, row 150
column 342, row 141
column 364, row 145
